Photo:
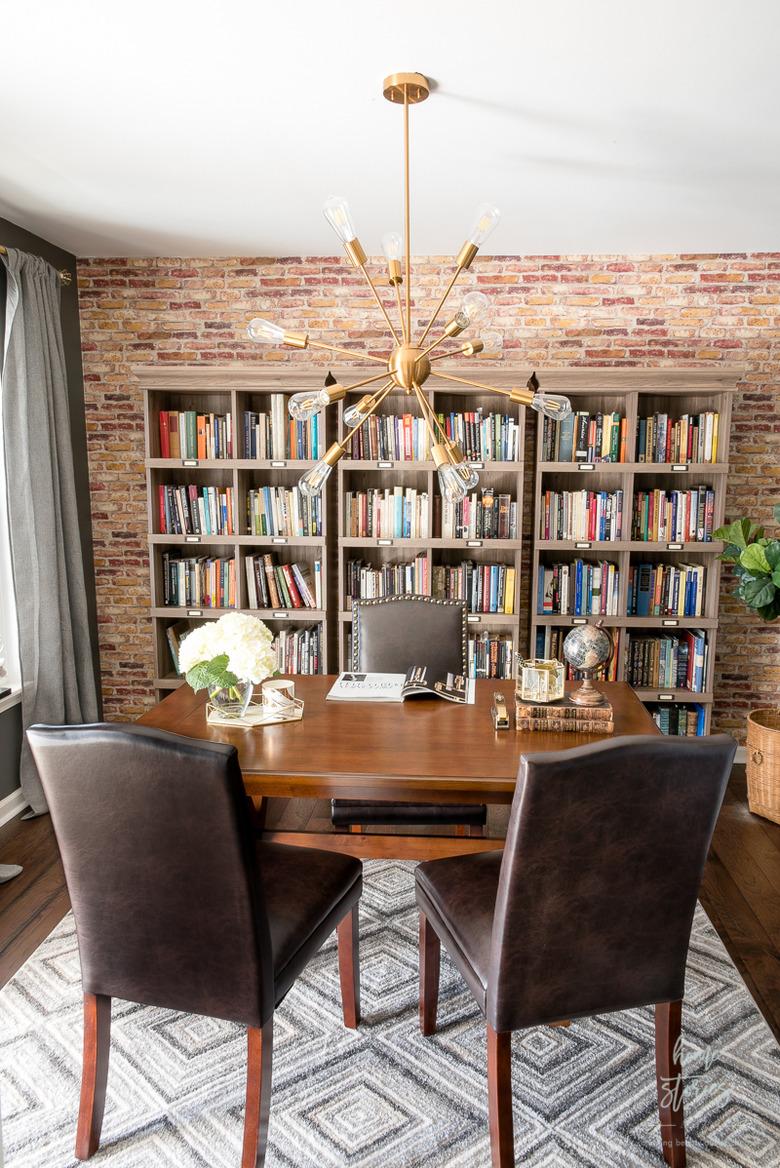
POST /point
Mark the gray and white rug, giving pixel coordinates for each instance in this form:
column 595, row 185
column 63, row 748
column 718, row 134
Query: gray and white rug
column 384, row 1097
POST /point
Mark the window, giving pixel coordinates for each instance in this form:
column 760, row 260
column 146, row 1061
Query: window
column 9, row 651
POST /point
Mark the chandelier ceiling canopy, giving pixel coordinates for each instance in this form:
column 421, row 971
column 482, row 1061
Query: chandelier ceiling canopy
column 409, row 361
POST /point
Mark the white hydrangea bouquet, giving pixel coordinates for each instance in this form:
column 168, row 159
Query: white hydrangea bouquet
column 228, row 657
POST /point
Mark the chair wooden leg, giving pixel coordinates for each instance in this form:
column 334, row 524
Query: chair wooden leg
column 499, row 1059
column 430, row 962
column 668, row 1073
column 347, row 933
column 94, row 1073
column 259, row 1054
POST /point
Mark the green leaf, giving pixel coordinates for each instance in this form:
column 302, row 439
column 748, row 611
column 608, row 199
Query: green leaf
column 759, row 592
column 754, row 559
column 730, row 553
column 770, row 612
column 772, row 551
column 208, row 674
column 776, row 577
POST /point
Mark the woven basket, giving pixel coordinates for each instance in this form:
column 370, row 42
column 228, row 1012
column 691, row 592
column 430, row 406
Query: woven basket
column 763, row 763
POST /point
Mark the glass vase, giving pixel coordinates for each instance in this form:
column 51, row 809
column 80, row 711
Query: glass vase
column 232, row 701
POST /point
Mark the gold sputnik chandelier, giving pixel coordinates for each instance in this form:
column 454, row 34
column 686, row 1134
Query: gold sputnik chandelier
column 409, row 363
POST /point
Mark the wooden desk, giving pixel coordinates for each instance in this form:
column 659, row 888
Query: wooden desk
column 426, row 750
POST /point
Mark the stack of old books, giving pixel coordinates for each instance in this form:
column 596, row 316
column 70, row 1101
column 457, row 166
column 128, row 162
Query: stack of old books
column 564, row 716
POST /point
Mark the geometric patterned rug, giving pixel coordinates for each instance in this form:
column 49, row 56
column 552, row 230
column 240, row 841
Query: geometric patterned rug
column 382, row 1096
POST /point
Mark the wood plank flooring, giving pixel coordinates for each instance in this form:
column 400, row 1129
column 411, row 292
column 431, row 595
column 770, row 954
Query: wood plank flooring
column 740, row 891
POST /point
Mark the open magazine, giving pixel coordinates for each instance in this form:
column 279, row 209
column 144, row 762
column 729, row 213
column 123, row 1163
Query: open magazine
column 396, row 687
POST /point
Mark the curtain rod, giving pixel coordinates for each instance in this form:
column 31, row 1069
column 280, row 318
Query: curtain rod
column 66, row 278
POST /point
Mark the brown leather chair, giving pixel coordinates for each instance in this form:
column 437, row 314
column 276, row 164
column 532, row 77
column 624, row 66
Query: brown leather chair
column 588, row 910
column 389, row 635
column 176, row 904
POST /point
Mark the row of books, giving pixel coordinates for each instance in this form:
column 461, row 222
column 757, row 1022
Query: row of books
column 580, row 588
column 549, row 644
column 676, row 661
column 299, row 651
column 188, row 434
column 282, row 438
column 666, row 590
column 283, row 511
column 274, row 585
column 480, row 516
column 490, row 655
column 400, row 437
column 199, row 581
column 483, row 437
column 675, row 718
column 674, row 516
column 193, row 510
column 691, row 438
column 591, row 515
column 485, row 587
column 585, row 437
column 392, row 513
column 366, row 581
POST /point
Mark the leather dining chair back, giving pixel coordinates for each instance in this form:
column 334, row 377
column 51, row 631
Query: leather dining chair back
column 166, row 909
column 392, row 633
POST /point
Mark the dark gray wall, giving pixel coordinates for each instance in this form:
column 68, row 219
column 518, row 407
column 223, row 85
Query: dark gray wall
column 13, row 236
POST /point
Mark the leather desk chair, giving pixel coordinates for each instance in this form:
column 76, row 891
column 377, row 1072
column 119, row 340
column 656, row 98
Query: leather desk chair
column 588, row 910
column 390, row 635
column 176, row 904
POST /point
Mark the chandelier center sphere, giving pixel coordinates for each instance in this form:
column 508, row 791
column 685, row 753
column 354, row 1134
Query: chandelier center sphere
column 407, row 366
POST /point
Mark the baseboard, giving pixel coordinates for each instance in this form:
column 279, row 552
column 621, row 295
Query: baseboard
column 12, row 805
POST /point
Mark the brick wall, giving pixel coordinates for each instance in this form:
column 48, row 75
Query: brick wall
column 549, row 310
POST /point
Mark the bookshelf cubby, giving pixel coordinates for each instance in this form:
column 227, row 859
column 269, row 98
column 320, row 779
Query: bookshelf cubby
column 627, row 393
column 634, row 394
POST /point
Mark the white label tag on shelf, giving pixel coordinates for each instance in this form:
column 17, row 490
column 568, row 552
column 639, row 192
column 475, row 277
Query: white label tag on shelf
column 680, row 466
column 194, row 612
column 278, row 462
column 473, row 618
column 579, row 620
column 477, row 465
column 279, row 539
column 674, row 547
column 385, row 465
column 192, row 539
column 587, row 466
column 189, row 462
column 473, row 543
column 282, row 615
column 384, row 543
column 670, row 624
column 666, row 697
column 583, row 544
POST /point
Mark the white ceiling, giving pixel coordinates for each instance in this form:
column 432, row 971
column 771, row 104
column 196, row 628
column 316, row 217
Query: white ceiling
column 174, row 128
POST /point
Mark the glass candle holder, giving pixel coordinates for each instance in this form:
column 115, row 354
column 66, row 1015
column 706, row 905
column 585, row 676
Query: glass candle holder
column 540, row 680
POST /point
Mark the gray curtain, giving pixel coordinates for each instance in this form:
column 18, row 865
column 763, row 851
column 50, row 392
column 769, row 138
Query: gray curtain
column 58, row 681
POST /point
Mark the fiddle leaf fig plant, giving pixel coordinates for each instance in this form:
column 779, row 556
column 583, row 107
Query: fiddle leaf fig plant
column 756, row 561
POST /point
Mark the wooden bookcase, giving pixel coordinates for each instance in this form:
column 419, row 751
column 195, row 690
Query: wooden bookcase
column 232, row 389
column 638, row 393
column 225, row 391
column 504, row 476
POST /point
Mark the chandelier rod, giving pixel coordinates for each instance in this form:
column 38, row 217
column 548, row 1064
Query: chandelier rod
column 348, row 352
column 379, row 397
column 397, row 286
column 427, row 407
column 366, row 381
column 407, row 220
column 380, row 303
column 523, row 396
column 439, row 306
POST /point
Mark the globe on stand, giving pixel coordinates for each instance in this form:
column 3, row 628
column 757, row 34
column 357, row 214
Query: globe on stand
column 588, row 648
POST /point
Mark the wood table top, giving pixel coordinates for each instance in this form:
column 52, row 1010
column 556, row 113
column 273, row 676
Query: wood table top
column 378, row 749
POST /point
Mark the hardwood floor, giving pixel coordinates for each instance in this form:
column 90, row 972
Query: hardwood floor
column 740, row 891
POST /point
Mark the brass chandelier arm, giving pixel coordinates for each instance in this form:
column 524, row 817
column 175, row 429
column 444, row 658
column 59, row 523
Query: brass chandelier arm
column 347, row 352
column 450, row 353
column 402, row 318
column 440, row 305
column 522, row 397
column 378, row 299
column 428, row 409
column 379, row 397
column 435, row 345
column 425, row 407
column 366, row 381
